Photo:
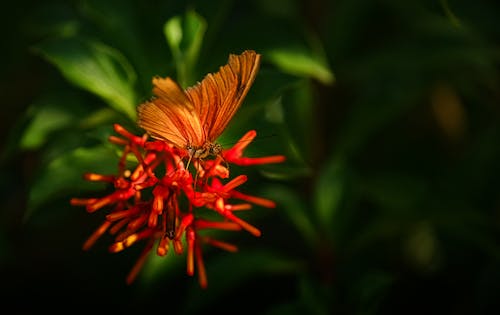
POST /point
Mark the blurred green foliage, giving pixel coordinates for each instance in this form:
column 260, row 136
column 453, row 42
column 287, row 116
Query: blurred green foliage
column 388, row 112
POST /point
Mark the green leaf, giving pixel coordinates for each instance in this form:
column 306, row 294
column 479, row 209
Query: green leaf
column 296, row 211
column 49, row 114
column 47, row 119
column 185, row 36
column 298, row 61
column 297, row 100
column 395, row 192
column 328, row 193
column 96, row 68
column 65, row 174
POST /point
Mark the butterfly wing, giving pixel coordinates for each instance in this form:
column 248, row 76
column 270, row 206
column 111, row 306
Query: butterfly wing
column 171, row 116
column 219, row 95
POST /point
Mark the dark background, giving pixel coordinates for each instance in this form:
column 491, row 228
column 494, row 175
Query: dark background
column 388, row 112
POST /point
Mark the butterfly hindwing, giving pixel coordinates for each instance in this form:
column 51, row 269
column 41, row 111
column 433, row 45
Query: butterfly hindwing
column 170, row 115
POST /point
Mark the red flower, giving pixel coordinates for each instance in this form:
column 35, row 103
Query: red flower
column 156, row 217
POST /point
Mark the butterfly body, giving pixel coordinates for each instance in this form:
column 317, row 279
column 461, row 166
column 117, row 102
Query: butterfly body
column 208, row 149
column 193, row 118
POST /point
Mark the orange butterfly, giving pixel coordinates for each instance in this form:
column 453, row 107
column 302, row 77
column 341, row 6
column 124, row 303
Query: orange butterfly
column 193, row 119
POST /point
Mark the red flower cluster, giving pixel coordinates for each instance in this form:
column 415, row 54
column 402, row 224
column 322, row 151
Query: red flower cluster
column 157, row 201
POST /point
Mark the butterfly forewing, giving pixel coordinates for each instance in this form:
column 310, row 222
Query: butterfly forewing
column 170, row 116
column 218, row 96
column 167, row 89
column 199, row 114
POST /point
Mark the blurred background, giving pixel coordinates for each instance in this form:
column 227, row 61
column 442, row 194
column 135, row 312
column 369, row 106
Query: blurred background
column 388, row 113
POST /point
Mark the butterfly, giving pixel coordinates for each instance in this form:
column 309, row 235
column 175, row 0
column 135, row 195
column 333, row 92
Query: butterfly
column 193, row 118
